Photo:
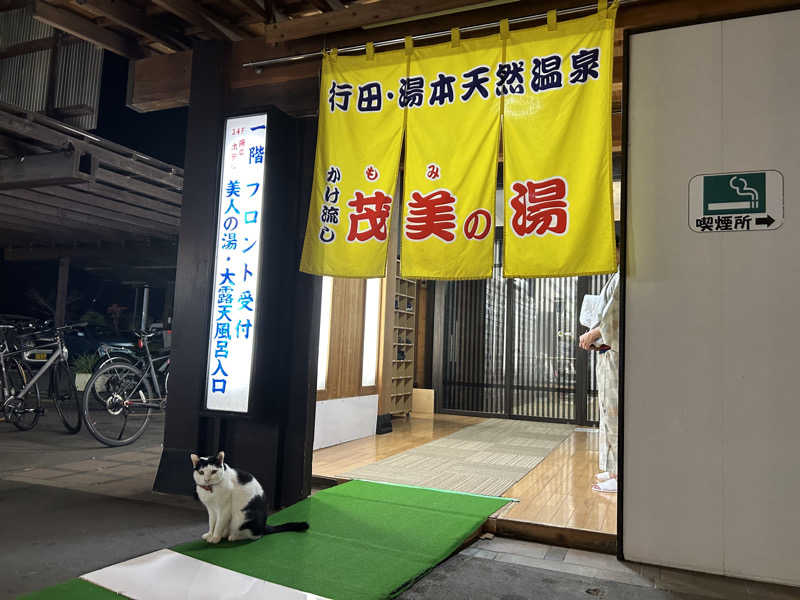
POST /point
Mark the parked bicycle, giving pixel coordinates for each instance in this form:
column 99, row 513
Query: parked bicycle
column 120, row 397
column 108, row 353
column 19, row 393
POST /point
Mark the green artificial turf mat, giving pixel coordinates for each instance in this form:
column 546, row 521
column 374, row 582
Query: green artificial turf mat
column 366, row 540
column 74, row 589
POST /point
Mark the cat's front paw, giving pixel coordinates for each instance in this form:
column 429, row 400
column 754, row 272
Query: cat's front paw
column 205, row 536
column 213, row 539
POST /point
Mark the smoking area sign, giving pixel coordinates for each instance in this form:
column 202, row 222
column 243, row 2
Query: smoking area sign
column 748, row 201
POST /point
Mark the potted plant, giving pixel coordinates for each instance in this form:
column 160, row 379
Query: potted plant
column 82, row 367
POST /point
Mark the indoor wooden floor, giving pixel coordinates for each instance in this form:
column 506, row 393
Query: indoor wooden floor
column 557, row 492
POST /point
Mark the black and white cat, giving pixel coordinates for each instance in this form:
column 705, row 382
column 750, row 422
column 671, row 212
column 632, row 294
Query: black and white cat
column 234, row 500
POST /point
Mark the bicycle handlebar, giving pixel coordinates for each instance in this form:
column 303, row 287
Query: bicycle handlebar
column 73, row 326
column 145, row 334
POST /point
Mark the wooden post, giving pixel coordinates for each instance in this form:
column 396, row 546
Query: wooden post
column 136, row 305
column 169, row 299
column 61, row 290
column 275, row 441
column 183, row 430
column 145, row 307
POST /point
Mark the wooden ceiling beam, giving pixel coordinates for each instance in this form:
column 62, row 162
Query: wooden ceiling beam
column 84, row 29
column 47, row 229
column 358, row 15
column 132, row 18
column 47, row 43
column 28, row 128
column 11, row 147
column 107, row 198
column 138, row 186
column 55, row 211
column 133, row 203
column 675, row 12
column 108, row 253
column 189, row 12
column 13, row 4
column 253, row 8
column 159, row 82
column 68, row 198
column 327, row 5
column 14, row 232
column 257, row 50
column 196, row 14
column 277, row 14
column 640, row 14
column 17, row 225
column 49, row 168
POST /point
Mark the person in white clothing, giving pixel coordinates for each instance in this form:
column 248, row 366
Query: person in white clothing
column 603, row 337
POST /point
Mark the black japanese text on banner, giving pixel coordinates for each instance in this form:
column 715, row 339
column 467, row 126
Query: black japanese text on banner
column 452, row 136
column 559, row 218
column 355, row 172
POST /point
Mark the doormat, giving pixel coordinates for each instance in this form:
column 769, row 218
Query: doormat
column 487, row 458
column 366, row 541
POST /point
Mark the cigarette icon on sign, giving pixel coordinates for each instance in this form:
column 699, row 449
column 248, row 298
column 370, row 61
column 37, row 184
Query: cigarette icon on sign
column 739, row 185
column 734, row 193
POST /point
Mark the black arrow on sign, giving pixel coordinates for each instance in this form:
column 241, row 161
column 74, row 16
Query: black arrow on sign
column 768, row 220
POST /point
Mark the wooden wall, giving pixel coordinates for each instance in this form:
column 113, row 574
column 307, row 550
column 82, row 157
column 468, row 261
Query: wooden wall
column 345, row 357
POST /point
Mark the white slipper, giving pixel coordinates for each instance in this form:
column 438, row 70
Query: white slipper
column 609, row 486
column 604, row 476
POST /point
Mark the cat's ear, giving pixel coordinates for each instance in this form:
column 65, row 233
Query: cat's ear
column 220, row 457
column 195, row 459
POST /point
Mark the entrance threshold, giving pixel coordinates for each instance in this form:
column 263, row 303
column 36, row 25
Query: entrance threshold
column 496, row 524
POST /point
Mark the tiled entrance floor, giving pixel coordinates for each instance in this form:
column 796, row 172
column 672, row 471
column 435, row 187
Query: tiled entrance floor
column 557, row 492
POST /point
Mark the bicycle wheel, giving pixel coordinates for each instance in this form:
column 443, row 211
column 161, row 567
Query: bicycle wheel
column 105, row 363
column 24, row 411
column 65, row 397
column 112, row 404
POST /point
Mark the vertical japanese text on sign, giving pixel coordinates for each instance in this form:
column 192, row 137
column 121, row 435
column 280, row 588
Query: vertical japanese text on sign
column 236, row 265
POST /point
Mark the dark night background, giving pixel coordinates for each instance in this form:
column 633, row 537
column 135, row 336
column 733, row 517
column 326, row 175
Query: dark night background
column 160, row 134
column 30, row 286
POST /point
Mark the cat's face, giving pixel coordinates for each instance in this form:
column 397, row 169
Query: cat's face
column 208, row 470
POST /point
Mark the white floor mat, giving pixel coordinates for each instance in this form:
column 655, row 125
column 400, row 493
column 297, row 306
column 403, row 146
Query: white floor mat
column 168, row 575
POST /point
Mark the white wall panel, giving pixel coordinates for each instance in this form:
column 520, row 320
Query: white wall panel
column 711, row 468
column 344, row 419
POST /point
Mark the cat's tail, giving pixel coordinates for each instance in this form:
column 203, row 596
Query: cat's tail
column 296, row 526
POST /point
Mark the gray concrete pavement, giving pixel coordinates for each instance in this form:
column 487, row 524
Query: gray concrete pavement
column 51, row 534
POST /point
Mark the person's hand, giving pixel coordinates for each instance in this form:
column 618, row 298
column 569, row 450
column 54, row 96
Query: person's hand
column 588, row 339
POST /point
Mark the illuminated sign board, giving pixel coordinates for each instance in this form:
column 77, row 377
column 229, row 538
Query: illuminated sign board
column 234, row 306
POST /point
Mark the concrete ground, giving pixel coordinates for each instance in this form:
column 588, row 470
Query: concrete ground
column 48, row 456
column 70, row 505
column 506, row 569
column 53, row 534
